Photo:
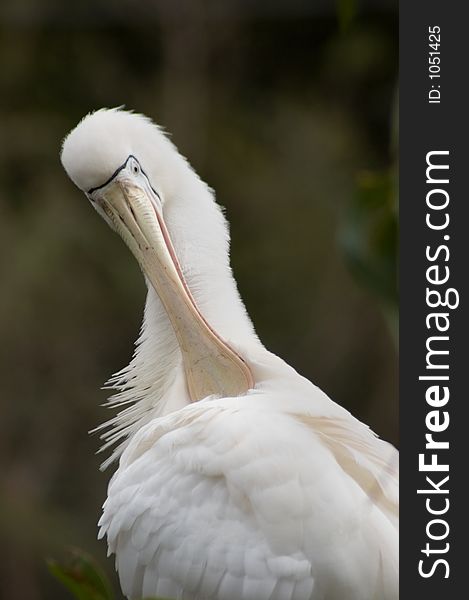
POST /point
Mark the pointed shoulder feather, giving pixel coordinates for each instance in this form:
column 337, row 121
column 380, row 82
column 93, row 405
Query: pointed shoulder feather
column 369, row 461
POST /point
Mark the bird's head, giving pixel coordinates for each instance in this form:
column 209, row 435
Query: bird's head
column 100, row 146
column 129, row 170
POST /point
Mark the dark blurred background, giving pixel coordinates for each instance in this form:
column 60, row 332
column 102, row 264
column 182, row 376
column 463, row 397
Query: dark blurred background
column 286, row 108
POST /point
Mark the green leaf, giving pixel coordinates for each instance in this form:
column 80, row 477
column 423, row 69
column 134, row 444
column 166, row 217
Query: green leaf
column 82, row 577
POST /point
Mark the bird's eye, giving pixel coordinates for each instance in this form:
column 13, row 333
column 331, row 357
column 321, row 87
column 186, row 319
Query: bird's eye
column 135, row 167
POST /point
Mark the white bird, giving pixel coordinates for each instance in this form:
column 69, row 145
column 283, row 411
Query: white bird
column 238, row 479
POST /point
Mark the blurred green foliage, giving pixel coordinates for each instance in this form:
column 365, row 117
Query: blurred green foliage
column 369, row 234
column 82, row 576
column 346, row 12
column 279, row 109
column 369, row 238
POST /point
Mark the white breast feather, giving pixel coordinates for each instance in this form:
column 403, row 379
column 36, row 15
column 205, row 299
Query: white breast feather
column 234, row 499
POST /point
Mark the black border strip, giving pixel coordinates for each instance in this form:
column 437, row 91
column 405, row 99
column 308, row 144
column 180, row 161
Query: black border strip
column 425, row 127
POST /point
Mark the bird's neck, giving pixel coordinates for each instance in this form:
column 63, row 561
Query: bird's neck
column 153, row 384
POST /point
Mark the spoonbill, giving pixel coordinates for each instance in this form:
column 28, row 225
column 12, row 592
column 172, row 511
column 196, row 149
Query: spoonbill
column 237, row 478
